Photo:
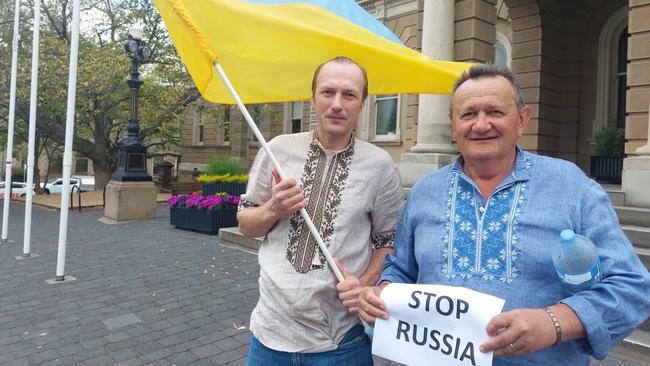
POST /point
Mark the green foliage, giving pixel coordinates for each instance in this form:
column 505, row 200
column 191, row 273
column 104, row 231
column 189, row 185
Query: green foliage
column 222, row 166
column 102, row 97
column 224, row 178
column 610, row 141
column 18, row 174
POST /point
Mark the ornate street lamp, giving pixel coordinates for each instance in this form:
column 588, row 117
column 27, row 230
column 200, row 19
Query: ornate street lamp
column 132, row 163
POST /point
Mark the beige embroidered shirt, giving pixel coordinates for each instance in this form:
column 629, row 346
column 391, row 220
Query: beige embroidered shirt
column 355, row 198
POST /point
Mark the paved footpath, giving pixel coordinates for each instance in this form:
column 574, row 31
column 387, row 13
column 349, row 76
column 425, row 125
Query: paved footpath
column 145, row 294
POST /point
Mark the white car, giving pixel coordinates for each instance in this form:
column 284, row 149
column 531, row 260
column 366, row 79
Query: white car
column 18, row 189
column 57, row 186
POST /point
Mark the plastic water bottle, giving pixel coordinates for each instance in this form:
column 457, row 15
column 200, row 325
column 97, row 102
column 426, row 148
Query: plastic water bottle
column 576, row 262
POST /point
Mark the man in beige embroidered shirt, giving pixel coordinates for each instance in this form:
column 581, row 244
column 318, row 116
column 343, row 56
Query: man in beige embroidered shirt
column 352, row 191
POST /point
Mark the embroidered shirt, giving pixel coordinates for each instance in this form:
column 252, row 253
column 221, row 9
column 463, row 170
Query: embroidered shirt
column 355, row 197
column 502, row 245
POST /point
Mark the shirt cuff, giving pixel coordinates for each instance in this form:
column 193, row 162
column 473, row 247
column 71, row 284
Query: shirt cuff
column 598, row 341
column 244, row 204
column 383, row 240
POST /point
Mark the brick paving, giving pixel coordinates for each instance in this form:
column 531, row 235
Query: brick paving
column 145, row 294
column 180, row 296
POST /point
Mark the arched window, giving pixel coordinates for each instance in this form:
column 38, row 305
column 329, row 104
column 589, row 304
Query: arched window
column 502, row 50
column 612, row 48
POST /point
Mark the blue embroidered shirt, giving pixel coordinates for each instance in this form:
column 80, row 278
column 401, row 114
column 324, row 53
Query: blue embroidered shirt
column 501, row 245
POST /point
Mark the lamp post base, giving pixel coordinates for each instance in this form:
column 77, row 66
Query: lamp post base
column 130, row 200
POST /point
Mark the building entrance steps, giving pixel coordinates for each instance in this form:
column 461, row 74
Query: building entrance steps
column 635, row 222
column 234, row 236
column 635, row 347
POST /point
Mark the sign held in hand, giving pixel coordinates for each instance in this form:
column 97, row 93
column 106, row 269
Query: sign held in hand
column 434, row 324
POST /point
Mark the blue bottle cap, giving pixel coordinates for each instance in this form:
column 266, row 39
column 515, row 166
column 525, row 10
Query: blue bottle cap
column 567, row 236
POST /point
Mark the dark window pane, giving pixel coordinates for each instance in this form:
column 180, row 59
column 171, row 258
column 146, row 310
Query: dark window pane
column 622, row 52
column 386, row 116
column 295, row 125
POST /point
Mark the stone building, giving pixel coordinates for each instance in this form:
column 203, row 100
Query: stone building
column 583, row 64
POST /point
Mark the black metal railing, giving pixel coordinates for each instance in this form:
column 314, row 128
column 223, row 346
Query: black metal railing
column 607, row 168
column 72, row 190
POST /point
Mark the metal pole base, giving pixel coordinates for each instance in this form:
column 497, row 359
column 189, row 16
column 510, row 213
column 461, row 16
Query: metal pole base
column 4, row 241
column 25, row 254
column 59, row 278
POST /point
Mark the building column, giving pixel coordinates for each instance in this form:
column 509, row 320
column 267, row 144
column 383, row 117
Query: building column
column 636, row 174
column 434, row 129
column 433, row 148
column 636, row 169
column 645, row 149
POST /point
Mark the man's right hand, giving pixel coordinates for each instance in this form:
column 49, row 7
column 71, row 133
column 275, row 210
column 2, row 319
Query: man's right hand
column 287, row 197
column 371, row 306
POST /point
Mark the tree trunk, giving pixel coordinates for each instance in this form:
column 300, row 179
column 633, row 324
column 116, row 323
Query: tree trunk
column 47, row 175
column 103, row 174
column 37, row 180
column 37, row 172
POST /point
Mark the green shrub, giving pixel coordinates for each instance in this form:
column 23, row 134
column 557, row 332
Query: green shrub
column 18, row 175
column 223, row 166
column 610, row 141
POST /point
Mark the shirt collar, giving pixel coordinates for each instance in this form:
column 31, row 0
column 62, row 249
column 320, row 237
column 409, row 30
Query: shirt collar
column 519, row 170
column 316, row 141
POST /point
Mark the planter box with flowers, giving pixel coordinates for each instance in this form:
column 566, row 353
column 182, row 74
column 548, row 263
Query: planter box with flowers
column 231, row 184
column 203, row 213
column 223, row 174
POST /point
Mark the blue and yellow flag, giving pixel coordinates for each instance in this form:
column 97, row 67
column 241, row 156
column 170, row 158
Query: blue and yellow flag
column 270, row 48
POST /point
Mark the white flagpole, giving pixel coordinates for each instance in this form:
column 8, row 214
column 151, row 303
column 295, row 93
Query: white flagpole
column 67, row 152
column 10, row 126
column 276, row 164
column 33, row 101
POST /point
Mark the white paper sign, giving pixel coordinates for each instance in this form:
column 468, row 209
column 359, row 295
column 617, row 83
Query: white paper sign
column 434, row 325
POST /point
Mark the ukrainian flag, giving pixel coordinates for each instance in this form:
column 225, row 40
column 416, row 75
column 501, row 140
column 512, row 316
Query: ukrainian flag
column 270, row 48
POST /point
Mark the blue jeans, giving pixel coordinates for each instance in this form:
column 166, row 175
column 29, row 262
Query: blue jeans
column 353, row 350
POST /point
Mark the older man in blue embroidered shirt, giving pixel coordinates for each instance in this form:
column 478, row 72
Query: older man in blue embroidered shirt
column 489, row 223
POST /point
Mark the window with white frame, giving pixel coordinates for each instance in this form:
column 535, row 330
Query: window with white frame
column 199, row 124
column 611, row 77
column 385, row 118
column 199, row 135
column 294, row 117
column 224, row 126
column 256, row 113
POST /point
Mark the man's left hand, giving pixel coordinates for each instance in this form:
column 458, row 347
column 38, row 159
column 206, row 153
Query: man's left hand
column 518, row 332
column 348, row 289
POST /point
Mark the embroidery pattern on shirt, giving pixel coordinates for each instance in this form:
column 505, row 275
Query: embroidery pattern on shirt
column 482, row 244
column 383, row 240
column 323, row 185
column 244, row 204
